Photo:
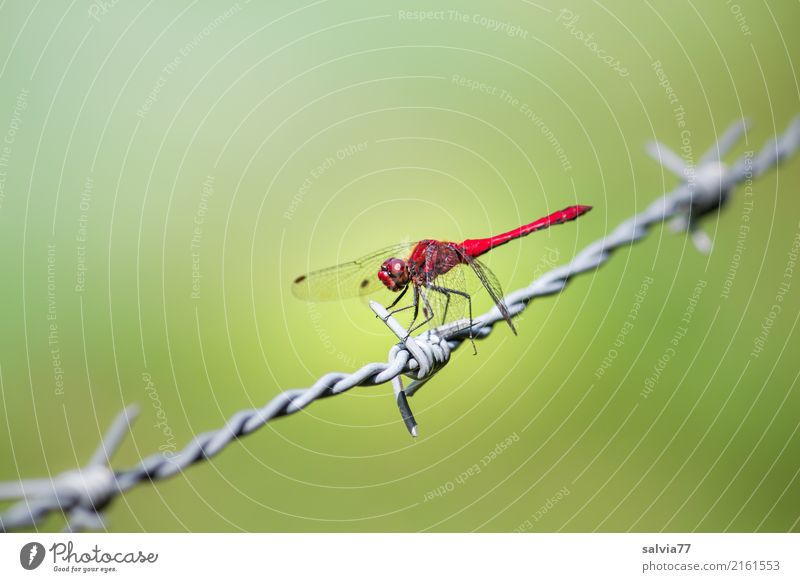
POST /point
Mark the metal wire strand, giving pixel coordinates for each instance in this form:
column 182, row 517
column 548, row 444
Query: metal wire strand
column 82, row 494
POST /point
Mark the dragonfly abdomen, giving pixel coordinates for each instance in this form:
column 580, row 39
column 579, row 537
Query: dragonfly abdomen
column 477, row 247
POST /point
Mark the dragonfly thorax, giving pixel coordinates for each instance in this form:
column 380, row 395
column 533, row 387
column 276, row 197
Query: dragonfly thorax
column 394, row 274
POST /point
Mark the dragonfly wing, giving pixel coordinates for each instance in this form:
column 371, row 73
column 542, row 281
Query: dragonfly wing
column 492, row 286
column 352, row 279
column 443, row 294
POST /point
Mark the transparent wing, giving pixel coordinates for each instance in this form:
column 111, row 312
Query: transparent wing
column 444, row 296
column 353, row 279
column 492, row 286
column 445, row 286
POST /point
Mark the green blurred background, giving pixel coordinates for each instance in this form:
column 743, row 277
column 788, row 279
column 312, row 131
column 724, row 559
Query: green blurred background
column 167, row 179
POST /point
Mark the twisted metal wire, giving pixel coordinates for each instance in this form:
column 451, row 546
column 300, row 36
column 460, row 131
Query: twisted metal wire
column 83, row 493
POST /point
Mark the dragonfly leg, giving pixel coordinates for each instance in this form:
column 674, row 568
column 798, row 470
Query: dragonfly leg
column 446, row 305
column 391, row 313
column 399, row 297
column 415, row 305
column 446, row 291
column 428, row 316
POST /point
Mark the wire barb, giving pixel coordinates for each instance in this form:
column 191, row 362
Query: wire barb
column 80, row 493
column 402, row 404
column 83, row 493
column 707, row 182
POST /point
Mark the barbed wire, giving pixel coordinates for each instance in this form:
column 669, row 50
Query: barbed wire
column 82, row 494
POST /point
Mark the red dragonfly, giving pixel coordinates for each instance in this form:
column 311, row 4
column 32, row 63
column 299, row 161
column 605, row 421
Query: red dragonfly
column 434, row 270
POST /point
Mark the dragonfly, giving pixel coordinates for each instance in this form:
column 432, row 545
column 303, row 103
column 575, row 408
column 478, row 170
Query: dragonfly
column 435, row 271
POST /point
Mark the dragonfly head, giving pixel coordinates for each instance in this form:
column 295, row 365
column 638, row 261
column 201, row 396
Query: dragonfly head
column 394, row 274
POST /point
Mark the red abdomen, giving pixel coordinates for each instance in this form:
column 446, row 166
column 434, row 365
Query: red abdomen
column 477, row 247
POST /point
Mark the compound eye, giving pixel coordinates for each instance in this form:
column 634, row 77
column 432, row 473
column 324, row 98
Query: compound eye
column 393, row 267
